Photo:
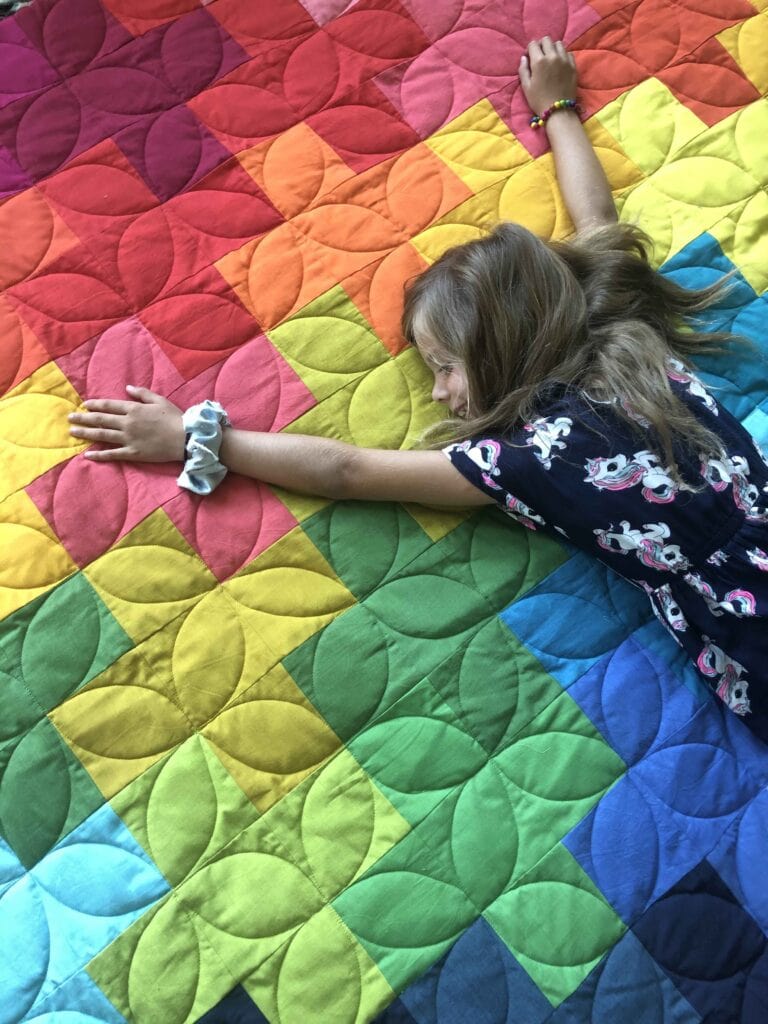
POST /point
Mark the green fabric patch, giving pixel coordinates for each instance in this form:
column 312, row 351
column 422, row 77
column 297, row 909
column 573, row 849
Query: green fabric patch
column 389, row 537
column 481, row 822
column 59, row 641
column 184, row 809
column 162, row 968
column 45, row 793
column 556, row 923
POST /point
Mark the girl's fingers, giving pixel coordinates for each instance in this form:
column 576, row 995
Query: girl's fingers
column 97, row 419
column 100, row 435
column 110, row 455
column 546, row 46
column 144, row 395
column 525, row 71
column 108, row 405
column 572, row 60
column 560, row 47
column 534, row 51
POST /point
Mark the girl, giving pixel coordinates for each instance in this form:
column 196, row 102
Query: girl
column 564, row 368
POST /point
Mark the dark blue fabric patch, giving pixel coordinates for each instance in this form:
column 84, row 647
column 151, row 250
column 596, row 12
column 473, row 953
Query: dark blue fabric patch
column 478, row 981
column 710, row 947
column 395, row 1013
column 235, row 1008
column 626, row 987
column 739, row 859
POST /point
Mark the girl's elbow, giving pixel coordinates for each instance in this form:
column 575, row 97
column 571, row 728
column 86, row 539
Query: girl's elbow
column 341, row 474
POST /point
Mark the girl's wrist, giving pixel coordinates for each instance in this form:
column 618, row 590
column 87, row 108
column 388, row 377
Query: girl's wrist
column 558, row 106
column 203, row 432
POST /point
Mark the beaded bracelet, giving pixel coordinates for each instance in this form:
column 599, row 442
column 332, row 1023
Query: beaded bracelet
column 539, row 120
column 203, row 427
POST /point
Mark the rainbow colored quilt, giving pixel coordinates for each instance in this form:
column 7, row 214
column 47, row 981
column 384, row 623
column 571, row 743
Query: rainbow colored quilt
column 270, row 758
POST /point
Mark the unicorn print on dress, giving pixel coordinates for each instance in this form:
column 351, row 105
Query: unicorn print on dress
column 520, row 511
column 738, row 602
column 647, row 544
column 545, row 436
column 759, row 558
column 671, row 609
column 665, row 607
column 726, row 672
column 731, row 470
column 622, row 471
column 677, row 371
column 485, row 455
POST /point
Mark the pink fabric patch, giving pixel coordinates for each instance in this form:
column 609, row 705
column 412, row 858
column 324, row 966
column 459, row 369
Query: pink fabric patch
column 230, row 527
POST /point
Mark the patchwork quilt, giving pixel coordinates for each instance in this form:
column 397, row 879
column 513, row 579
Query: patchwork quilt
column 271, row 758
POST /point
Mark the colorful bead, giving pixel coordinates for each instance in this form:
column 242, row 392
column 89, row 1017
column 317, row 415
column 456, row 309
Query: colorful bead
column 539, row 120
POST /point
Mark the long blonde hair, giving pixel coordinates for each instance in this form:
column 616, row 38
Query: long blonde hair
column 590, row 314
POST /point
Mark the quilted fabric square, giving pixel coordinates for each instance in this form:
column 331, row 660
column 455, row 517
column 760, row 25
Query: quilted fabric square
column 272, row 759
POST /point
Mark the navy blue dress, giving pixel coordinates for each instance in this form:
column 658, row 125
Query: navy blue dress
column 700, row 553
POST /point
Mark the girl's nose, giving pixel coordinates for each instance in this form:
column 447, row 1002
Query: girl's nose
column 439, row 392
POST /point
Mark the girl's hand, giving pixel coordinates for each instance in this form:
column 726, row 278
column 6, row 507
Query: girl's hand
column 547, row 73
column 147, row 429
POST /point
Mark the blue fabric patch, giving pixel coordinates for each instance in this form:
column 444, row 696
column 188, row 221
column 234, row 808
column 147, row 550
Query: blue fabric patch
column 663, row 817
column 477, row 980
column 740, row 859
column 235, row 1008
column 93, row 1007
column 607, row 608
column 626, row 986
column 739, row 383
column 73, row 903
column 633, row 695
column 711, row 948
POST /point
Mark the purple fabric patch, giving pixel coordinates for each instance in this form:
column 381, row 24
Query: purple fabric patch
column 48, row 23
column 22, row 70
column 12, row 177
column 168, row 171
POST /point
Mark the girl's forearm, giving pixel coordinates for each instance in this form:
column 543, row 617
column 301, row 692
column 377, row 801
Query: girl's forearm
column 580, row 175
column 297, row 462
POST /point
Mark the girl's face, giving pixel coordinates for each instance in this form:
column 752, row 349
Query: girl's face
column 450, row 376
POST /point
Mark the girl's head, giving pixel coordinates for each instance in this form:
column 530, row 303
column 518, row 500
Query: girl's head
column 501, row 319
column 492, row 317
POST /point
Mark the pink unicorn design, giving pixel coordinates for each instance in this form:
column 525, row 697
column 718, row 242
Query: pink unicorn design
column 620, row 472
column 731, row 688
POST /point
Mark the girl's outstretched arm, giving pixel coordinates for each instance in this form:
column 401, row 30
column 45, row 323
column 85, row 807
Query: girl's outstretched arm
column 149, row 429
column 547, row 74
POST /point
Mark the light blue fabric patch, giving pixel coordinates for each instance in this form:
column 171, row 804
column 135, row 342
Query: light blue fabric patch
column 56, row 917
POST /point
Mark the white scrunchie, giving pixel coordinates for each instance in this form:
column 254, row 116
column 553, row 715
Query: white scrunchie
column 203, row 426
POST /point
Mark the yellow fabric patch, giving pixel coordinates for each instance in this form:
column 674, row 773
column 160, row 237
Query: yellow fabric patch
column 150, row 576
column 718, row 175
column 271, row 738
column 287, row 594
column 346, row 981
column 478, row 147
column 34, row 431
column 329, row 343
column 436, row 523
column 31, row 558
column 746, row 43
column 649, row 124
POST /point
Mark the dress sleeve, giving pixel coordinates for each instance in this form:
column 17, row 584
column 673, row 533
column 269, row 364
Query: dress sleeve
column 492, row 466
